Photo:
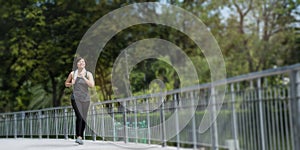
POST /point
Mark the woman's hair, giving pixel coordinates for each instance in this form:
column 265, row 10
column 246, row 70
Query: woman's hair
column 77, row 59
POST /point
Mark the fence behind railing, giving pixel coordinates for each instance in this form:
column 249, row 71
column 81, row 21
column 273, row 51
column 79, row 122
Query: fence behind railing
column 260, row 112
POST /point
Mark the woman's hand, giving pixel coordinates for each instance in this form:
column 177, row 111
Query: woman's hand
column 68, row 84
column 90, row 80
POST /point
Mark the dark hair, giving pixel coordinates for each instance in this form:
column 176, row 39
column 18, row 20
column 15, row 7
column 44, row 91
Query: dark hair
column 77, row 59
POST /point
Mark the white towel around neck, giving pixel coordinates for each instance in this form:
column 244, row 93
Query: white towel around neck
column 76, row 74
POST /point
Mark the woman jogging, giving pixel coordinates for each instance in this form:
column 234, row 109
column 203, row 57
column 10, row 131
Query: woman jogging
column 80, row 79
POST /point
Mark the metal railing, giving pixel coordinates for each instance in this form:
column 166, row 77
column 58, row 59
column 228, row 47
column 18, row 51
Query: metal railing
column 260, row 111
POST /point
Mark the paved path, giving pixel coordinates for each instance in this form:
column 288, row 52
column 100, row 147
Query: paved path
column 61, row 144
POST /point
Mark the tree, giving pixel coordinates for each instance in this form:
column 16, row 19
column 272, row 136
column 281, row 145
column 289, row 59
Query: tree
column 21, row 24
column 39, row 38
column 259, row 34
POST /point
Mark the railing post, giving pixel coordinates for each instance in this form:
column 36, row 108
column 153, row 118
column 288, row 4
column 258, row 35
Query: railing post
column 47, row 124
column 295, row 108
column 6, row 125
column 162, row 122
column 214, row 129
column 56, row 123
column 23, row 126
column 148, row 121
column 261, row 114
column 113, row 122
column 74, row 123
column 234, row 120
column 176, row 100
column 30, row 118
column 65, row 123
column 193, row 121
column 15, row 125
column 40, row 123
column 102, row 122
column 135, row 120
column 125, row 123
column 94, row 122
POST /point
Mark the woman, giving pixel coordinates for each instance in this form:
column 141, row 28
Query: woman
column 80, row 80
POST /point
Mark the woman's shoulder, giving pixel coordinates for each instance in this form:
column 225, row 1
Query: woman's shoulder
column 88, row 72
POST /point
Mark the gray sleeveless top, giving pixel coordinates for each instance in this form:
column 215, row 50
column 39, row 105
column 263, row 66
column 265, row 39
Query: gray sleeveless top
column 81, row 90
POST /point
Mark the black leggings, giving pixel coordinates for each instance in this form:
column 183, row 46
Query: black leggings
column 81, row 110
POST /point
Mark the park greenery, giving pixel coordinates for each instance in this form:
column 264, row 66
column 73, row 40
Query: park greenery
column 39, row 38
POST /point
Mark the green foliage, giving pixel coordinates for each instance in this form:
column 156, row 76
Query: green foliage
column 38, row 40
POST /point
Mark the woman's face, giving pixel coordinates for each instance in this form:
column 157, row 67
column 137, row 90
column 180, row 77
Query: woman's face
column 81, row 64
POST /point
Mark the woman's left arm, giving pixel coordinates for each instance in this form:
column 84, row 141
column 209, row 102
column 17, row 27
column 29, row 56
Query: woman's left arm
column 90, row 80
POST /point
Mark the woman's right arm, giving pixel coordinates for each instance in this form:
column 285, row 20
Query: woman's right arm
column 68, row 82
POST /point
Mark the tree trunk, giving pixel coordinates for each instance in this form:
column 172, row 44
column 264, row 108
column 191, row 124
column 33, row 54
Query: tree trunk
column 55, row 99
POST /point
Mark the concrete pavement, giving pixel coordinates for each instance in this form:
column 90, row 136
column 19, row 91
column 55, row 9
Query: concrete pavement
column 62, row 144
